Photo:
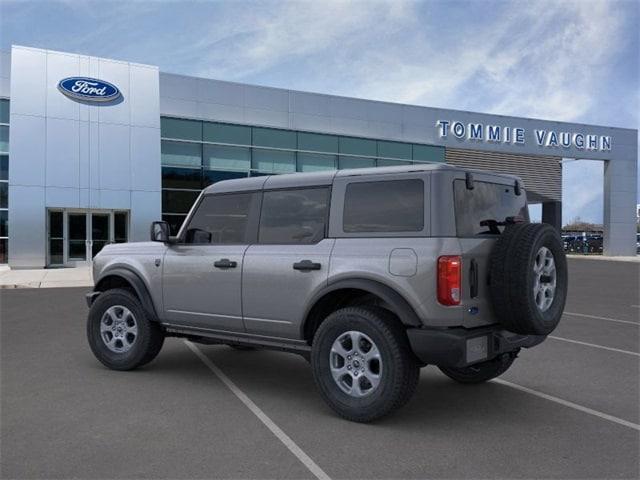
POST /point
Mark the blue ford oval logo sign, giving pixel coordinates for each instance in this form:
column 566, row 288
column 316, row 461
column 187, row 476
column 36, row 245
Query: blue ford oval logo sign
column 89, row 89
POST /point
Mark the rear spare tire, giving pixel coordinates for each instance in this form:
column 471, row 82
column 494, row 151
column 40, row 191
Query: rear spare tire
column 528, row 278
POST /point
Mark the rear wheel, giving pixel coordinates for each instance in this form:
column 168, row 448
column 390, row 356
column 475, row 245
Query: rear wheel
column 480, row 372
column 120, row 333
column 362, row 363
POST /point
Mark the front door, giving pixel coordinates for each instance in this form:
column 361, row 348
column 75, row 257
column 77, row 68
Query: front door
column 202, row 273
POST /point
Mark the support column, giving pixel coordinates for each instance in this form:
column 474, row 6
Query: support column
column 620, row 198
column 552, row 214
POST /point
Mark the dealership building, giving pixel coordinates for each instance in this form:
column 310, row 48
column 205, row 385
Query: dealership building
column 93, row 150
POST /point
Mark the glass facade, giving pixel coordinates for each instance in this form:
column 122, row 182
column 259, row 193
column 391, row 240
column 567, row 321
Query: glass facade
column 4, row 181
column 196, row 154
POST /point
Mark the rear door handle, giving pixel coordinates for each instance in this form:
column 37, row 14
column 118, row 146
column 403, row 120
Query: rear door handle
column 306, row 265
column 225, row 263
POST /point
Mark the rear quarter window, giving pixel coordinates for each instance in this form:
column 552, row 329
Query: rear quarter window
column 384, row 206
column 487, row 201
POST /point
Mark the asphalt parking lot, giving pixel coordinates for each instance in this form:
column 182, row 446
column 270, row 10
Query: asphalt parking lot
column 566, row 409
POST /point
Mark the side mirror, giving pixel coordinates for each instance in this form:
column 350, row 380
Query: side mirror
column 160, row 232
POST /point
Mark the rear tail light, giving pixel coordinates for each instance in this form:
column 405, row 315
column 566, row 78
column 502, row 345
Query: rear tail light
column 449, row 279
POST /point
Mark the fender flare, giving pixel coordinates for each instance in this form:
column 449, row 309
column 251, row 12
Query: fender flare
column 133, row 279
column 399, row 305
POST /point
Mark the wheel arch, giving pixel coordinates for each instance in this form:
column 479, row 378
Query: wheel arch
column 121, row 277
column 342, row 292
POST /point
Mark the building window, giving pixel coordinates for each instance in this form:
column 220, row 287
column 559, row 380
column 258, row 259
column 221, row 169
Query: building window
column 225, row 133
column 210, row 177
column 183, row 178
column 181, row 129
column 274, row 138
column 181, row 154
column 227, row 158
column 196, row 154
column 394, row 150
column 4, row 181
column 273, row 161
column 317, row 142
column 178, row 201
column 314, row 162
column 355, row 162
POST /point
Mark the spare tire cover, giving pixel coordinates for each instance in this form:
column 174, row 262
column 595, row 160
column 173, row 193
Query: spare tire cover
column 528, row 278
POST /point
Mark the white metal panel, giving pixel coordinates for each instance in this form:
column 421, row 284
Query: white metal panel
column 145, row 159
column 59, row 66
column 271, row 118
column 144, row 97
column 27, row 142
column 118, row 74
column 223, row 93
column 222, row 113
column 28, row 226
column 114, row 156
column 62, row 168
column 310, row 103
column 84, row 158
column 115, row 199
column 62, row 197
column 266, row 98
column 145, row 208
column 28, row 81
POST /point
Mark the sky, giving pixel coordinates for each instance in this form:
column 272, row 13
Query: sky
column 558, row 60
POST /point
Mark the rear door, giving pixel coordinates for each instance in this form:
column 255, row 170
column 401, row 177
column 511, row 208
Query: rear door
column 488, row 200
column 289, row 263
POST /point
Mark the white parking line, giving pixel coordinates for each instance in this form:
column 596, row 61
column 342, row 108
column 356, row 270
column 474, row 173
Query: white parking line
column 569, row 404
column 601, row 318
column 595, row 345
column 283, row 437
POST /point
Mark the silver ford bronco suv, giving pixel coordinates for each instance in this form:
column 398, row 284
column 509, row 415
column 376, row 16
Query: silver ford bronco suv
column 370, row 274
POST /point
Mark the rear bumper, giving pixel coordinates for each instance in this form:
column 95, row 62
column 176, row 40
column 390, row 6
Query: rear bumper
column 460, row 347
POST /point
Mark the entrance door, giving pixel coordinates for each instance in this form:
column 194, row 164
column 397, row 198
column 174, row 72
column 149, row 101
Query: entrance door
column 100, row 231
column 76, row 236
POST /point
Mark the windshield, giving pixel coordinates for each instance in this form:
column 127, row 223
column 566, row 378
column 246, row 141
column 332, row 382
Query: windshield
column 487, row 201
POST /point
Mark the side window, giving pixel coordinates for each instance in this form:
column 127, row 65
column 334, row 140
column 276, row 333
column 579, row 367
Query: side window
column 384, row 206
column 221, row 219
column 294, row 216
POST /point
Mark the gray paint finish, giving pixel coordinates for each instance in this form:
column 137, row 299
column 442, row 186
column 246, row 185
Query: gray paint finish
column 70, row 154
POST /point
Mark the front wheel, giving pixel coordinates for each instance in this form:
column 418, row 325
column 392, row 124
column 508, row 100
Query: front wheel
column 480, row 372
column 120, row 333
column 362, row 363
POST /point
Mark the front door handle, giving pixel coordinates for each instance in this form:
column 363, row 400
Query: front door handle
column 225, row 263
column 306, row 265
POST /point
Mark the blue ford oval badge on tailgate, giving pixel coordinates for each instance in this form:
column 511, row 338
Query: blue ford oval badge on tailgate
column 89, row 89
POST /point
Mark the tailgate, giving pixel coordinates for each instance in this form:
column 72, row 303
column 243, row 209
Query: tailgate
column 475, row 296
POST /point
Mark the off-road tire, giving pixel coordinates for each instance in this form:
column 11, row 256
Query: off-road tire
column 399, row 375
column 149, row 338
column 512, row 278
column 480, row 372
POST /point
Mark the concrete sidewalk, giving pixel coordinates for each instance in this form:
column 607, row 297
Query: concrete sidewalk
column 46, row 278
